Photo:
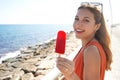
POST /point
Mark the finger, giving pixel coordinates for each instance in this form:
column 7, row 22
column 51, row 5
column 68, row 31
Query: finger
column 65, row 66
column 64, row 60
column 61, row 67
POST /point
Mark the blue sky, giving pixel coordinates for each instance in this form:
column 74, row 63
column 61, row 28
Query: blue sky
column 47, row 11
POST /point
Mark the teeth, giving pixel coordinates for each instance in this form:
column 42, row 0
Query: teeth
column 79, row 30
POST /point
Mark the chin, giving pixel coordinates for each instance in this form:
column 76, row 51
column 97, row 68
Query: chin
column 78, row 37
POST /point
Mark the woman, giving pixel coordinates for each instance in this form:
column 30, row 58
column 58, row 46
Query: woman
column 95, row 55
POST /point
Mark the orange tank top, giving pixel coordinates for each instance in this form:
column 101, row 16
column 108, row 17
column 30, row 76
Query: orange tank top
column 79, row 65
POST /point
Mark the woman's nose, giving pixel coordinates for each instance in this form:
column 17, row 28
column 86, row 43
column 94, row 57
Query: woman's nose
column 79, row 23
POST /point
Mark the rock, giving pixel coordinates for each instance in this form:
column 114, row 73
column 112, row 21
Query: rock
column 2, row 66
column 46, row 64
column 38, row 63
column 28, row 76
column 27, row 67
column 28, row 51
column 38, row 72
column 6, row 67
column 17, row 74
column 28, row 56
column 44, row 46
column 34, row 61
column 9, row 60
column 37, row 52
column 42, row 71
column 38, row 77
column 16, row 64
column 15, row 77
column 25, row 56
column 18, row 71
column 32, row 47
column 5, row 75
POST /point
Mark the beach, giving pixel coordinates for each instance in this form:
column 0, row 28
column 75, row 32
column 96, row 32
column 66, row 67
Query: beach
column 35, row 62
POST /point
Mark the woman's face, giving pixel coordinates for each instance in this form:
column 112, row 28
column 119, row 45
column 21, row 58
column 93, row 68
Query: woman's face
column 84, row 24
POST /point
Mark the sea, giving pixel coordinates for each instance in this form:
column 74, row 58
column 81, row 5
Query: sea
column 13, row 37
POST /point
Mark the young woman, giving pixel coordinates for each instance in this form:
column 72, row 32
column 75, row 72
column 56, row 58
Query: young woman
column 95, row 55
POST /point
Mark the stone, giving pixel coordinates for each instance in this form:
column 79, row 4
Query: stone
column 32, row 60
column 28, row 67
column 28, row 76
column 38, row 77
column 15, row 77
column 18, row 71
column 5, row 75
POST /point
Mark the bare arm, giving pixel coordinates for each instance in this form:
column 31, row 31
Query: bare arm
column 91, row 63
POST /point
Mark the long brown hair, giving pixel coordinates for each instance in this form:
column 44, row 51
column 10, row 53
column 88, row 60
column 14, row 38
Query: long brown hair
column 102, row 34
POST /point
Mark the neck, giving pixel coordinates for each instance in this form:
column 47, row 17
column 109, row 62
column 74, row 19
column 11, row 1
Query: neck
column 86, row 41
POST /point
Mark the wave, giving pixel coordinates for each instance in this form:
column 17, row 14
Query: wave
column 9, row 55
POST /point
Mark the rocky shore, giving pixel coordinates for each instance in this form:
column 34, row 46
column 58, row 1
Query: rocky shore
column 34, row 62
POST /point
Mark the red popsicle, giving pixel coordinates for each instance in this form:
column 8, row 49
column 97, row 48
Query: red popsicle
column 60, row 42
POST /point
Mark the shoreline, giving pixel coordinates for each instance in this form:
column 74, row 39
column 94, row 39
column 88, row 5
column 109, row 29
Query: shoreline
column 12, row 54
column 35, row 61
column 32, row 45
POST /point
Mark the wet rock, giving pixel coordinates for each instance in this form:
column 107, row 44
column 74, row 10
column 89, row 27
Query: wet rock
column 10, row 60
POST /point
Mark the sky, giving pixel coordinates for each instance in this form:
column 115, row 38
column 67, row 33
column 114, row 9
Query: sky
column 49, row 11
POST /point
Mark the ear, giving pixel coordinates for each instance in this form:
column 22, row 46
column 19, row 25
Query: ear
column 97, row 26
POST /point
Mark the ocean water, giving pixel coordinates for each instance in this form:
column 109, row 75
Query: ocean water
column 14, row 37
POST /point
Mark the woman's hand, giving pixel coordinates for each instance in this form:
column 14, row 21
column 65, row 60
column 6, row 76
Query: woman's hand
column 65, row 66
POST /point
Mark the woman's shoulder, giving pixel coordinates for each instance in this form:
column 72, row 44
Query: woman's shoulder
column 92, row 45
column 91, row 58
column 92, row 50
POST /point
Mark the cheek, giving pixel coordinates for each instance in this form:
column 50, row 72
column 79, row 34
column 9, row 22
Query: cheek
column 90, row 31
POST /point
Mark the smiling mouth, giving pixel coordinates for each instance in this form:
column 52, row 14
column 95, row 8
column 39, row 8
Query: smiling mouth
column 79, row 31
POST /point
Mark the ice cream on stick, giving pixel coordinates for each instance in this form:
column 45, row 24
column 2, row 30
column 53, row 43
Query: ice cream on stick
column 60, row 42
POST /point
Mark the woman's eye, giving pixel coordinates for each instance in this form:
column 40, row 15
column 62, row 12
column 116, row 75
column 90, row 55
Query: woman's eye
column 76, row 19
column 86, row 20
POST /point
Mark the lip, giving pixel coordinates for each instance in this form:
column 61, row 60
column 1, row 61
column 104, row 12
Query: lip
column 79, row 31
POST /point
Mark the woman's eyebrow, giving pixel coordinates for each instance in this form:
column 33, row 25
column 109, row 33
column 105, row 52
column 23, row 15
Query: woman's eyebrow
column 88, row 18
column 76, row 16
